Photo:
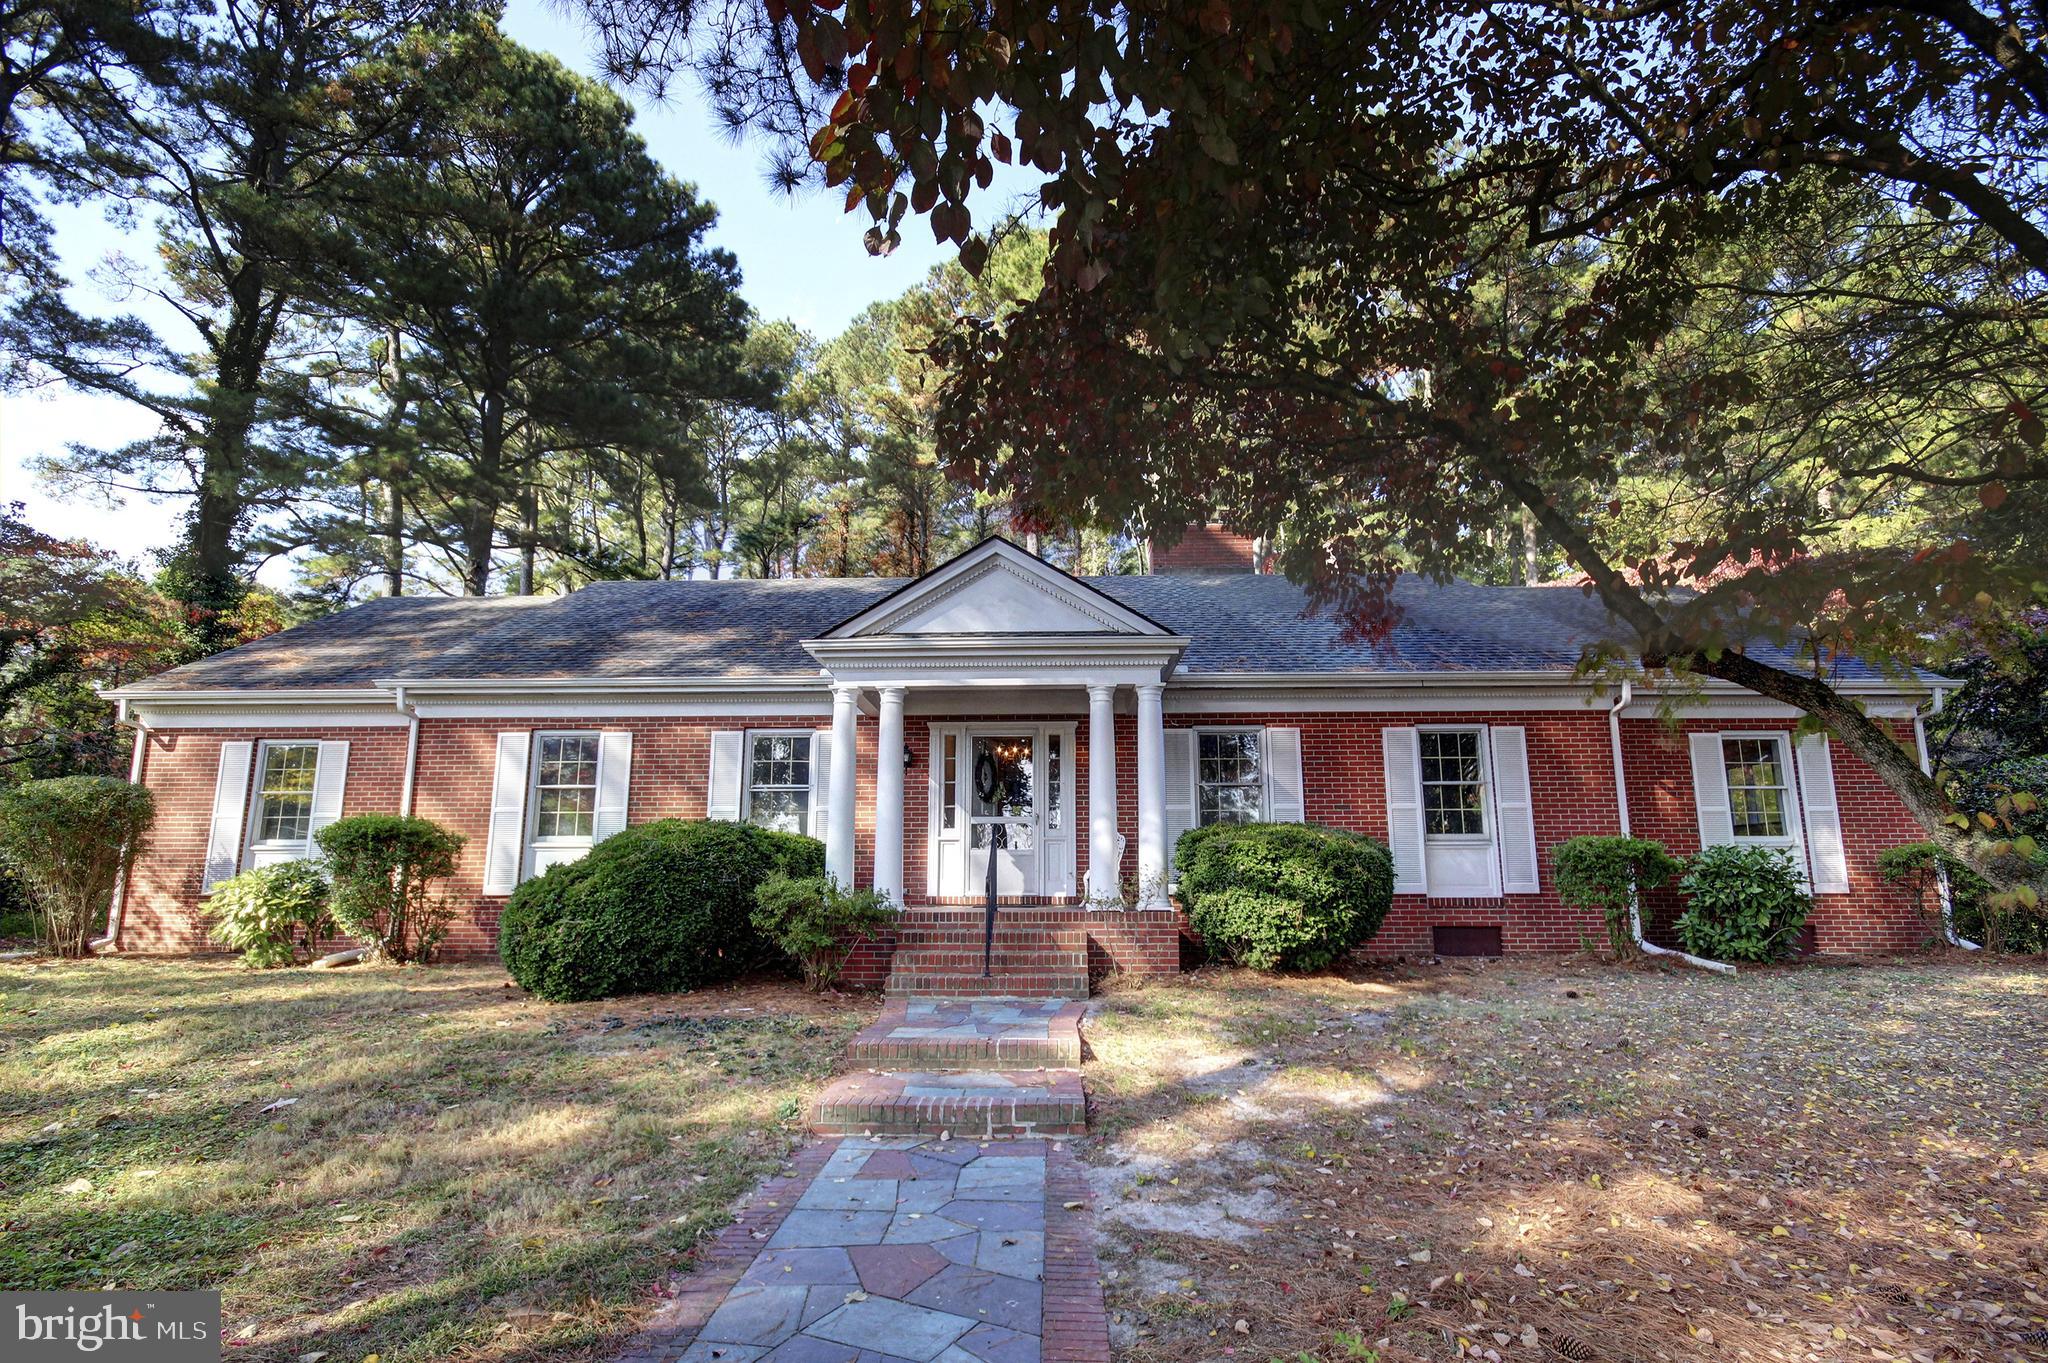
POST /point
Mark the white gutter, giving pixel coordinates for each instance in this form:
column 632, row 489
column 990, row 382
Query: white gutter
column 412, row 750
column 1635, row 917
column 111, row 941
column 1941, row 884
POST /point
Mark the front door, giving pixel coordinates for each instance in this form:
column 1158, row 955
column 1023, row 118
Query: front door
column 1003, row 812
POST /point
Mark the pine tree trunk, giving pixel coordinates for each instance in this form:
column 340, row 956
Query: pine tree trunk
column 529, row 529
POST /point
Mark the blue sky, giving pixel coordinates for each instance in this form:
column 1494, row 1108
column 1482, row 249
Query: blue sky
column 800, row 258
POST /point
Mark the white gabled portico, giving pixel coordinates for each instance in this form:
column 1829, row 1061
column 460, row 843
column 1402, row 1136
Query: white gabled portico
column 999, row 621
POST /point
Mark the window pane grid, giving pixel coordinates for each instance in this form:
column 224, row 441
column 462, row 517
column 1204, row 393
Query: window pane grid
column 779, row 781
column 950, row 780
column 285, row 792
column 565, row 787
column 1453, row 783
column 1758, row 793
column 1229, row 776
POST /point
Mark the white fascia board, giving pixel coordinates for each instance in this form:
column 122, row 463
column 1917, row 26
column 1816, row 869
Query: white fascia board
column 281, row 695
column 417, row 687
column 256, row 715
column 999, row 660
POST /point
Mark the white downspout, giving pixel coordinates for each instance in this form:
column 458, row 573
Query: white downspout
column 111, row 941
column 1941, row 885
column 412, row 751
column 1635, row 917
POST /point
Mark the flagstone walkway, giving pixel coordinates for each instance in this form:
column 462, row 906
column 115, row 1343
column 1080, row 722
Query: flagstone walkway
column 910, row 1246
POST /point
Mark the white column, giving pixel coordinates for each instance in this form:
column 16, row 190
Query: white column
column 845, row 765
column 889, row 796
column 1151, row 798
column 1103, row 871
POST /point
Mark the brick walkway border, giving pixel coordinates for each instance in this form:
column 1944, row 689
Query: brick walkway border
column 1076, row 1326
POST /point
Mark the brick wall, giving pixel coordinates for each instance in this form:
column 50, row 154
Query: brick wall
column 1872, row 917
column 1344, row 776
column 1569, row 765
column 180, row 766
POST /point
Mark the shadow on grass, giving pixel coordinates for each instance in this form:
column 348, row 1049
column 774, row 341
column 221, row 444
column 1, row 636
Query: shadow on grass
column 454, row 1152
column 1539, row 1159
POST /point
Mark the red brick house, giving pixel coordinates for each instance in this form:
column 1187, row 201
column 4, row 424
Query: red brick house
column 1069, row 728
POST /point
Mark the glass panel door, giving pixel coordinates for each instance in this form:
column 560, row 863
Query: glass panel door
column 1002, row 804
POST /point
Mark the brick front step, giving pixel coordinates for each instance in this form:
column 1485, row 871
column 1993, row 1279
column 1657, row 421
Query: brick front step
column 1038, row 985
column 1020, row 1034
column 985, row 1105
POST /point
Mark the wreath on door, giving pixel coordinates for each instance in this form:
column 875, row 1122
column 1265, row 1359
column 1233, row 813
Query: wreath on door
column 985, row 777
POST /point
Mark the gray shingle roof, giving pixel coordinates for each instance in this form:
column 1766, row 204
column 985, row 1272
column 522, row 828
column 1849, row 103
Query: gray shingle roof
column 704, row 631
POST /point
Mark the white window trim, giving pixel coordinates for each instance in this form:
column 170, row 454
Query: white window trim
column 1489, row 838
column 534, row 841
column 810, row 788
column 1794, row 840
column 300, row 848
column 1264, row 795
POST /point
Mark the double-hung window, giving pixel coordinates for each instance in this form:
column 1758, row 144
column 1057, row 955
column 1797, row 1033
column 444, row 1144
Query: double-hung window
column 281, row 815
column 1453, row 784
column 1230, row 776
column 779, row 781
column 564, row 789
column 1759, row 789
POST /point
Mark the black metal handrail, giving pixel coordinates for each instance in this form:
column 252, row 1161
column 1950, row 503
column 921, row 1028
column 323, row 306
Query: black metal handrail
column 988, row 925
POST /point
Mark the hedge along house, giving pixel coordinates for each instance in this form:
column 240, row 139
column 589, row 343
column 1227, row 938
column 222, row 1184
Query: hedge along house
column 999, row 710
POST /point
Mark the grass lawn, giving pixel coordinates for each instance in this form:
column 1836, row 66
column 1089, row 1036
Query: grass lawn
column 1543, row 1161
column 417, row 1164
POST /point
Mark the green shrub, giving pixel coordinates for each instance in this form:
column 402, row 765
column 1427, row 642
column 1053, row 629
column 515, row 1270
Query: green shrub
column 1913, row 867
column 271, row 913
column 1283, row 896
column 69, row 839
column 1606, row 874
column 383, row 867
column 1743, row 904
column 817, row 923
column 660, row 906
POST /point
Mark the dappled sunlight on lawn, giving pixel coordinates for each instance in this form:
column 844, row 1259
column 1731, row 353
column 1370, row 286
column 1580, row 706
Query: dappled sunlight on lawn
column 1535, row 1160
column 415, row 1163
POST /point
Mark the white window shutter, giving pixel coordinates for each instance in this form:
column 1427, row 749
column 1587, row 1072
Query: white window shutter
column 506, row 846
column 1823, row 816
column 1710, row 791
column 1402, row 758
column 821, row 782
column 1286, row 801
column 614, row 782
column 722, row 796
column 1179, row 747
column 330, row 779
column 1514, row 810
column 230, row 803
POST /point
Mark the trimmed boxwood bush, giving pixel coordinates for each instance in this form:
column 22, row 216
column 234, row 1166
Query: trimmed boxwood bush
column 1283, row 896
column 1607, row 875
column 658, row 907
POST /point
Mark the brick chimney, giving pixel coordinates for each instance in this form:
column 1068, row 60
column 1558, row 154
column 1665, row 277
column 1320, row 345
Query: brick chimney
column 1208, row 549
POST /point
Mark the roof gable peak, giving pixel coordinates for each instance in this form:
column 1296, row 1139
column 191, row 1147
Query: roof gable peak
column 995, row 588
